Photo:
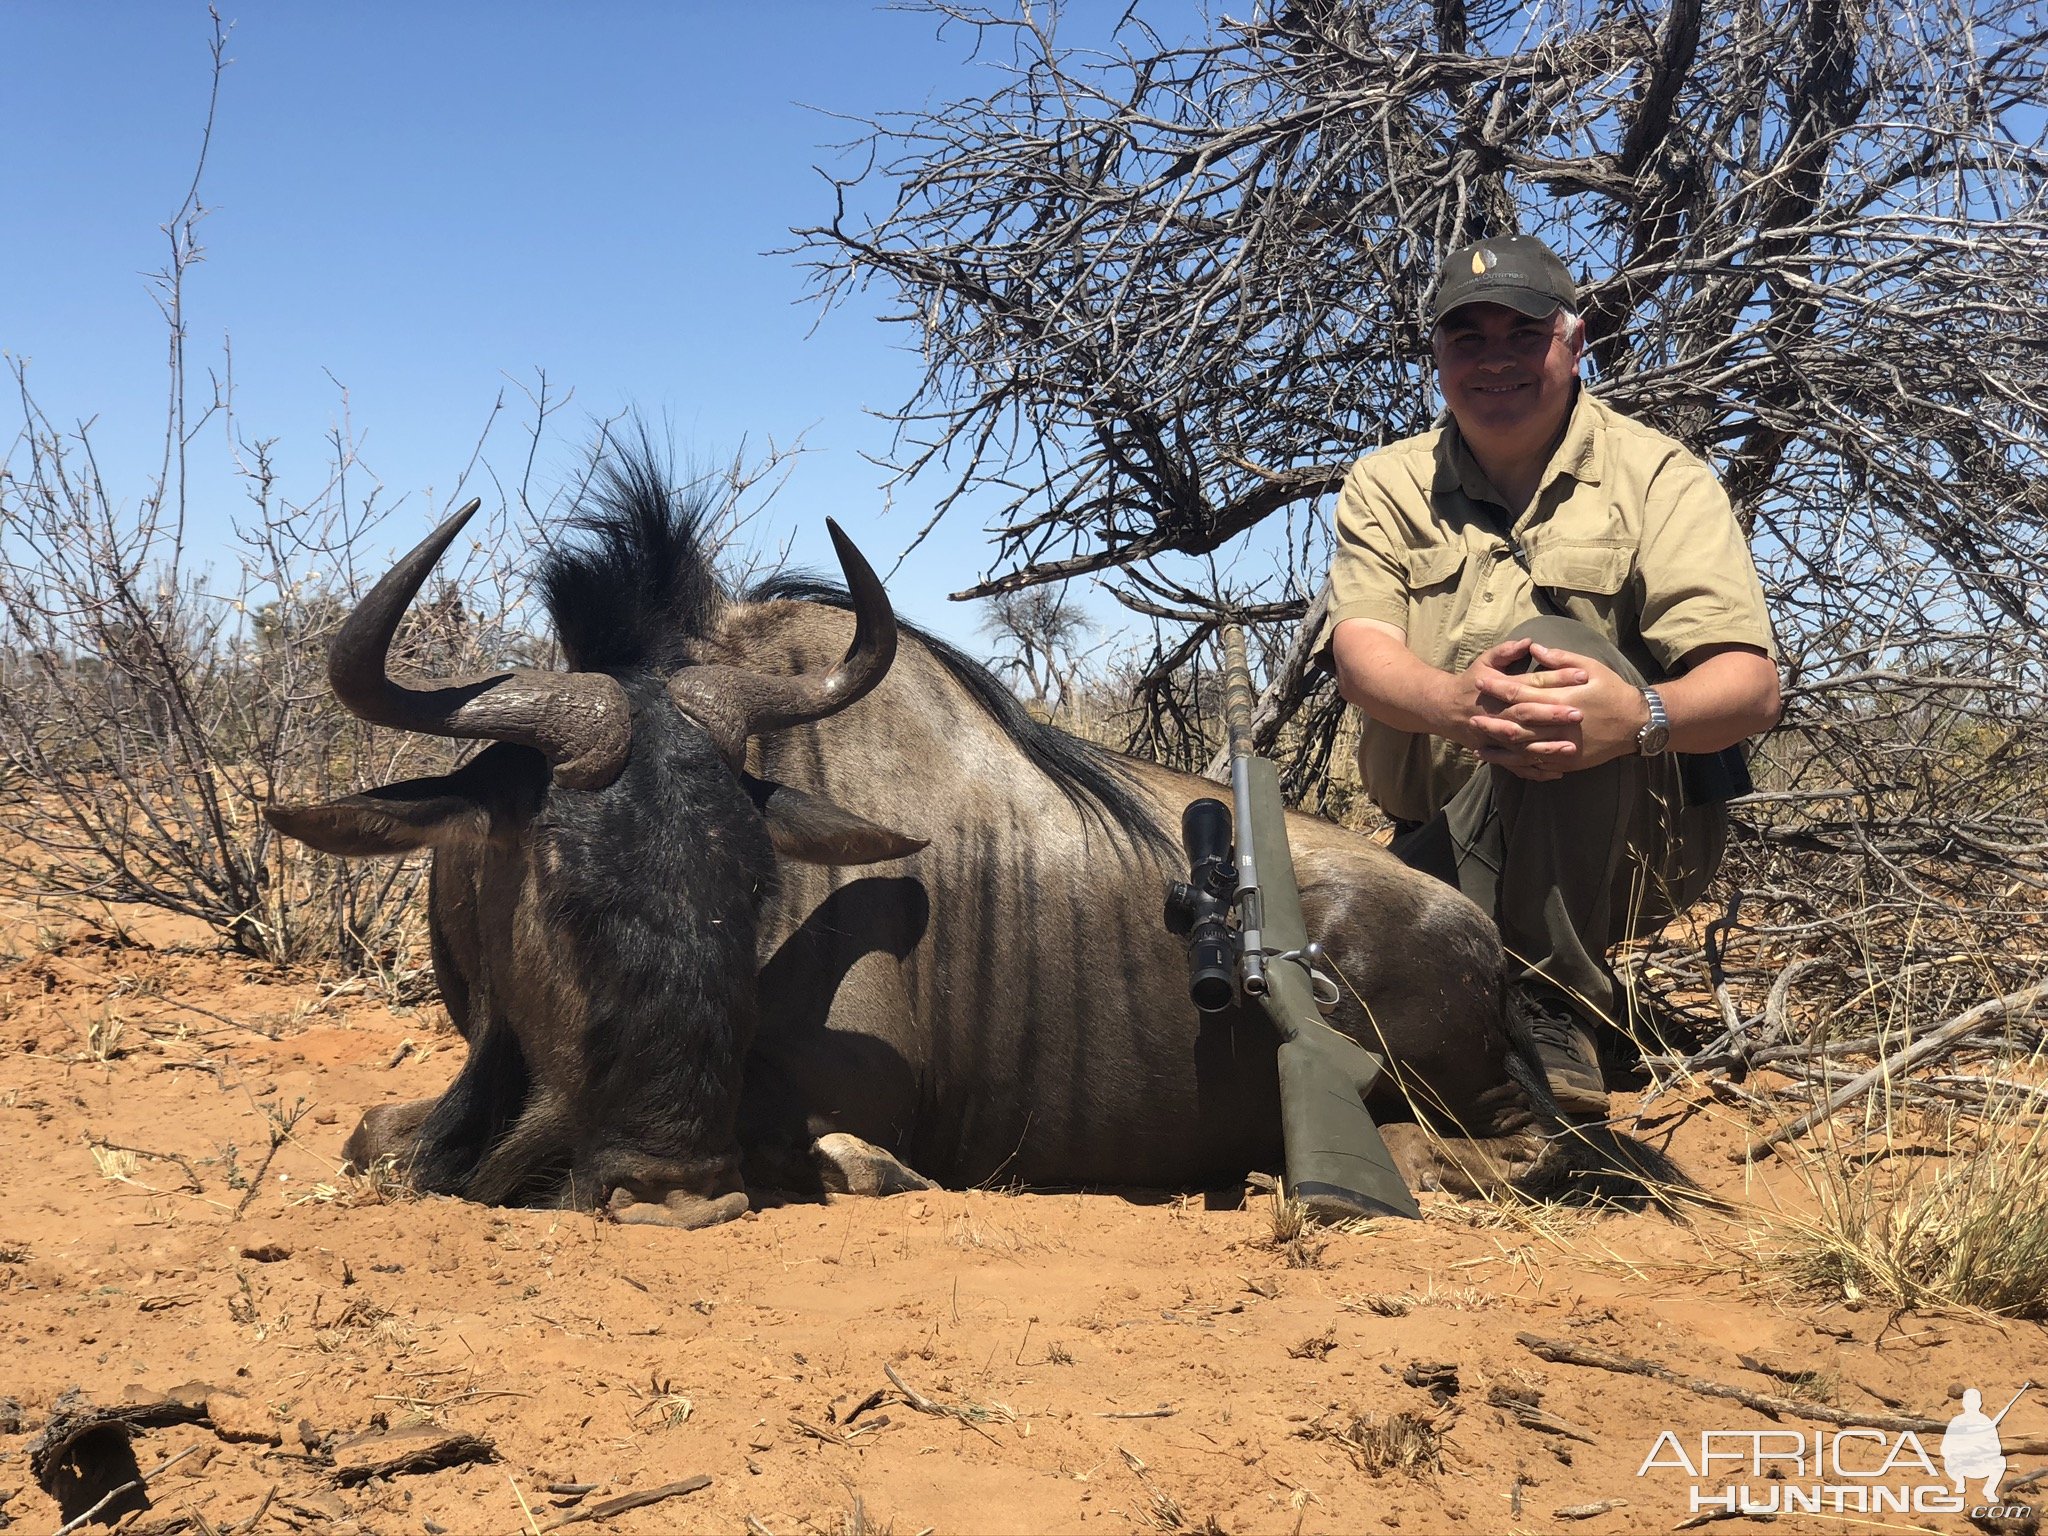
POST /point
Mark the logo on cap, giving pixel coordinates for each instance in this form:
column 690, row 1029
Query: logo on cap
column 1483, row 261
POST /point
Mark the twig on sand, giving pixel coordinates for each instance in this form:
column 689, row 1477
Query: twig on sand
column 130, row 1486
column 191, row 1178
column 626, row 1501
column 1761, row 1517
column 1563, row 1352
column 874, row 1399
column 254, row 1029
column 256, row 1181
column 105, row 1499
column 923, row 1404
column 243, row 1527
column 1928, row 1047
column 1161, row 1412
column 1529, row 1416
column 1588, row 1511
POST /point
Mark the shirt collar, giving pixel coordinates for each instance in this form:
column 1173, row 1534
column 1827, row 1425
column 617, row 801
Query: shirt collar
column 1581, row 454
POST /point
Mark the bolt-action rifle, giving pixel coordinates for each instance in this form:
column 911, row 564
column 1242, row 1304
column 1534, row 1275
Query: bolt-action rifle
column 1240, row 912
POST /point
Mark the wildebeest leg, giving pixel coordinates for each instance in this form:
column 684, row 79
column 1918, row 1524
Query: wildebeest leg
column 826, row 1066
column 386, row 1131
column 1505, row 1138
column 663, row 1194
column 849, row 1166
column 438, row 1143
column 1527, row 1162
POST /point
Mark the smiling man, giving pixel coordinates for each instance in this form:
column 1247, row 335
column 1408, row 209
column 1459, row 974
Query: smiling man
column 1551, row 622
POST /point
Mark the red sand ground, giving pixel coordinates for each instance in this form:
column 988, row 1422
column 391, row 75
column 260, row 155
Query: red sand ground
column 1101, row 1364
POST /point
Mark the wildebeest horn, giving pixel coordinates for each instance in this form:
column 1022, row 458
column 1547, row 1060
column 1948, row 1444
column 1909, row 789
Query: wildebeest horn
column 581, row 721
column 733, row 703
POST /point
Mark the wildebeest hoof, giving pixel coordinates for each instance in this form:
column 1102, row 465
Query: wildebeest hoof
column 850, row 1166
column 387, row 1130
column 677, row 1208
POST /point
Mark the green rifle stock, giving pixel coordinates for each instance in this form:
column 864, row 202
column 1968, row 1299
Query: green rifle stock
column 1337, row 1162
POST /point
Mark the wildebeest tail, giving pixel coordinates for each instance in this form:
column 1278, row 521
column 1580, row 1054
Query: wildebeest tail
column 1091, row 777
column 643, row 586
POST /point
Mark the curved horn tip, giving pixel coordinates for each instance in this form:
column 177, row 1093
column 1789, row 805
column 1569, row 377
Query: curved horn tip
column 850, row 557
column 453, row 522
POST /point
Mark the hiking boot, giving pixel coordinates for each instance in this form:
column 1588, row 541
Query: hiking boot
column 1571, row 1061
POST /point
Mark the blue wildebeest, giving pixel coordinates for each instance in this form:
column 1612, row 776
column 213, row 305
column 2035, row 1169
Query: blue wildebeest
column 735, row 902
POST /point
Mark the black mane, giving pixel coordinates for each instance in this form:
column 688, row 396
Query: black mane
column 1093, row 778
column 645, row 587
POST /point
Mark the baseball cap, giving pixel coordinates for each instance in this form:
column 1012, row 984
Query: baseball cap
column 1519, row 271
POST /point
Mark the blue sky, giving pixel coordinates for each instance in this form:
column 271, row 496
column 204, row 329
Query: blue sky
column 419, row 201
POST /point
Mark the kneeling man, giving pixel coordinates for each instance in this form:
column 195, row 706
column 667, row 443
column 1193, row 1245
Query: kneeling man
column 1550, row 619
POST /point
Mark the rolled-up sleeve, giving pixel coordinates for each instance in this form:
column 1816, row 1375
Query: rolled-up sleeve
column 1366, row 579
column 1700, row 585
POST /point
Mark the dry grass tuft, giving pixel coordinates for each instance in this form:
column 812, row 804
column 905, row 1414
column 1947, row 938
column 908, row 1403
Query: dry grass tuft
column 363, row 1320
column 1462, row 1298
column 1294, row 1233
column 976, row 1228
column 1508, row 1210
column 858, row 1522
column 1398, row 1442
column 1964, row 1225
column 661, row 1405
column 116, row 1163
column 380, row 1184
column 103, row 1032
column 1315, row 1347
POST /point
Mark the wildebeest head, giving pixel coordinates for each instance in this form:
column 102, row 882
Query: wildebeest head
column 599, row 869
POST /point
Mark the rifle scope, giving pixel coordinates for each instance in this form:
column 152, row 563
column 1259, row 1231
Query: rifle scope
column 1198, row 909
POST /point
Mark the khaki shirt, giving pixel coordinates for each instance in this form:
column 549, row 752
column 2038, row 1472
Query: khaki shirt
column 1628, row 533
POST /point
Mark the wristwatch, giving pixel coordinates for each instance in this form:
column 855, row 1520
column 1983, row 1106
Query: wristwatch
column 1655, row 734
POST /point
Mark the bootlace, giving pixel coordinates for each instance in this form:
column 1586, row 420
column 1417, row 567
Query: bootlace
column 1556, row 1029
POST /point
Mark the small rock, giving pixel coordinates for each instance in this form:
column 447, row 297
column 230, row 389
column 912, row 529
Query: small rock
column 266, row 1252
column 12, row 1418
column 321, row 1506
column 239, row 1421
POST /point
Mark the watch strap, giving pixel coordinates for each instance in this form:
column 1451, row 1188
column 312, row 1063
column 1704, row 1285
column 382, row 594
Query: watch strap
column 1655, row 733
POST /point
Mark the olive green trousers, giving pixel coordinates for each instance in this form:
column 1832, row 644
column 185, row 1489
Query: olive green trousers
column 1573, row 866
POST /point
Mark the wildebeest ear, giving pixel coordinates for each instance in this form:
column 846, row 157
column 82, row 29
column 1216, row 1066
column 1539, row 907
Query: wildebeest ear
column 813, row 830
column 399, row 818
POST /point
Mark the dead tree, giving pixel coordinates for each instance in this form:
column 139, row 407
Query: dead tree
column 1167, row 289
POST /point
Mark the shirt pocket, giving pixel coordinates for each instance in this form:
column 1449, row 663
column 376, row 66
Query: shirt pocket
column 1594, row 570
column 1588, row 582
column 1434, row 578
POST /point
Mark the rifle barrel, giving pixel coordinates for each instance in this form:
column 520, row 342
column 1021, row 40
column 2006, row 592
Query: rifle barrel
column 1237, row 716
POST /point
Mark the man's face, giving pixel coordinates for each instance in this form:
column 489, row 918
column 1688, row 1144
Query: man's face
column 1504, row 374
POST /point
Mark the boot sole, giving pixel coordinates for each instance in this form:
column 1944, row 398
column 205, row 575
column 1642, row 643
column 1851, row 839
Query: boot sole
column 1576, row 1098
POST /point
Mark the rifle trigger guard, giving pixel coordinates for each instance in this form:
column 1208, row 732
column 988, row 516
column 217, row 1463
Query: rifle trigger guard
column 1321, row 987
